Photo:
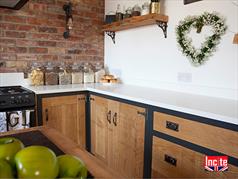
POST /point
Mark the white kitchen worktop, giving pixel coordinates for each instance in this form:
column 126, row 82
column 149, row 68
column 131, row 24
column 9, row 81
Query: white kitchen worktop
column 210, row 107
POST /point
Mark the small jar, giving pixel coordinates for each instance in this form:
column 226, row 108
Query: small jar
column 64, row 75
column 128, row 13
column 145, row 9
column 99, row 72
column 51, row 75
column 119, row 14
column 77, row 74
column 136, row 10
column 155, row 6
column 37, row 75
column 88, row 74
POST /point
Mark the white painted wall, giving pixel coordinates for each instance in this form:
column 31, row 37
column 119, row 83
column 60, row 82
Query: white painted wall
column 142, row 56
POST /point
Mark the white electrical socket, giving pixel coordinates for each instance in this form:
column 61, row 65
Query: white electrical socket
column 184, row 77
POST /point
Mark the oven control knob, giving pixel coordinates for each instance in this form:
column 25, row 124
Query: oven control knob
column 27, row 101
column 17, row 101
column 2, row 102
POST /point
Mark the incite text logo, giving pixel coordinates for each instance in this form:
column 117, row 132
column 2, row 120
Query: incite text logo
column 216, row 163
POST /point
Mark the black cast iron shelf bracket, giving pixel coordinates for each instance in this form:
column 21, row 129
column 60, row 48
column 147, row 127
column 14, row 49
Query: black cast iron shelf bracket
column 163, row 26
column 112, row 34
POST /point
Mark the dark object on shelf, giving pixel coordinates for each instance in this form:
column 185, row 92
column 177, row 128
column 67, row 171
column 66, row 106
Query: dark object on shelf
column 135, row 13
column 13, row 4
column 190, row 1
column 69, row 19
column 110, row 19
column 119, row 16
column 37, row 138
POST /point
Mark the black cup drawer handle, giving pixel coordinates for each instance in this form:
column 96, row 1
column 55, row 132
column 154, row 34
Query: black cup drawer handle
column 172, row 126
column 170, row 160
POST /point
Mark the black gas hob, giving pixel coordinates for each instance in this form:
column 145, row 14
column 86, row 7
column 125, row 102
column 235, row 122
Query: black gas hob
column 12, row 97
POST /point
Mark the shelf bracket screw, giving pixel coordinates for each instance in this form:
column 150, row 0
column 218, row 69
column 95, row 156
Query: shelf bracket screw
column 163, row 26
column 112, row 35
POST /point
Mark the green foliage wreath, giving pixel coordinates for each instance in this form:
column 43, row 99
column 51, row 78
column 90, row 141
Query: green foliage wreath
column 198, row 56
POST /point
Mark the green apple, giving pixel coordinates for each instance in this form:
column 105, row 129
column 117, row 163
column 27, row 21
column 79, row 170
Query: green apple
column 9, row 146
column 5, row 169
column 36, row 162
column 71, row 167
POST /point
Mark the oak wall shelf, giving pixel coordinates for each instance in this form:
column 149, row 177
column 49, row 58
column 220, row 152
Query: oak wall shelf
column 137, row 21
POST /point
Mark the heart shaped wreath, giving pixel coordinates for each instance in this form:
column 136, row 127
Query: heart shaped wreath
column 198, row 56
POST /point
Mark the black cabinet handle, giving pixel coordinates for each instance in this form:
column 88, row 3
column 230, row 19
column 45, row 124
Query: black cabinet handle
column 114, row 119
column 92, row 99
column 46, row 115
column 109, row 116
column 172, row 126
column 170, row 160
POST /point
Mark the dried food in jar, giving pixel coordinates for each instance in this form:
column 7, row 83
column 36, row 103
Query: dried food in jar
column 36, row 75
column 51, row 76
column 88, row 74
column 77, row 74
column 64, row 75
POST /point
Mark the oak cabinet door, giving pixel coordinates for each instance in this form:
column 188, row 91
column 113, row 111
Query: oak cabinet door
column 128, row 140
column 117, row 136
column 67, row 115
column 99, row 128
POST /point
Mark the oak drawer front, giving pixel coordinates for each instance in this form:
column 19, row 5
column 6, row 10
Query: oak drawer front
column 170, row 160
column 212, row 137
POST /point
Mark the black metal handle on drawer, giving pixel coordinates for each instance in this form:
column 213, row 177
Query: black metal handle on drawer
column 170, row 160
column 172, row 126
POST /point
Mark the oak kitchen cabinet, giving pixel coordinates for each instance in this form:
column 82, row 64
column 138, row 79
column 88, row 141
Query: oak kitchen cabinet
column 67, row 115
column 117, row 135
column 171, row 160
column 176, row 143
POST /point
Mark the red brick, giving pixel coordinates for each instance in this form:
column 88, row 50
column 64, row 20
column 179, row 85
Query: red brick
column 47, row 43
column 26, row 43
column 8, row 26
column 38, row 36
column 38, row 50
column 17, row 19
column 56, row 50
column 75, row 51
column 47, row 29
column 8, row 42
column 16, row 50
column 38, row 7
column 37, row 21
column 26, row 57
column 26, row 28
column 15, row 34
column 48, row 57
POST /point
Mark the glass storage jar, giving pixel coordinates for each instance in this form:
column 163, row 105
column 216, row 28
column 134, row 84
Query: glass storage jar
column 136, row 10
column 64, row 75
column 51, row 75
column 99, row 72
column 36, row 75
column 88, row 75
column 77, row 73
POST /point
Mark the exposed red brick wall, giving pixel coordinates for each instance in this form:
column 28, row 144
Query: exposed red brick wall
column 35, row 33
